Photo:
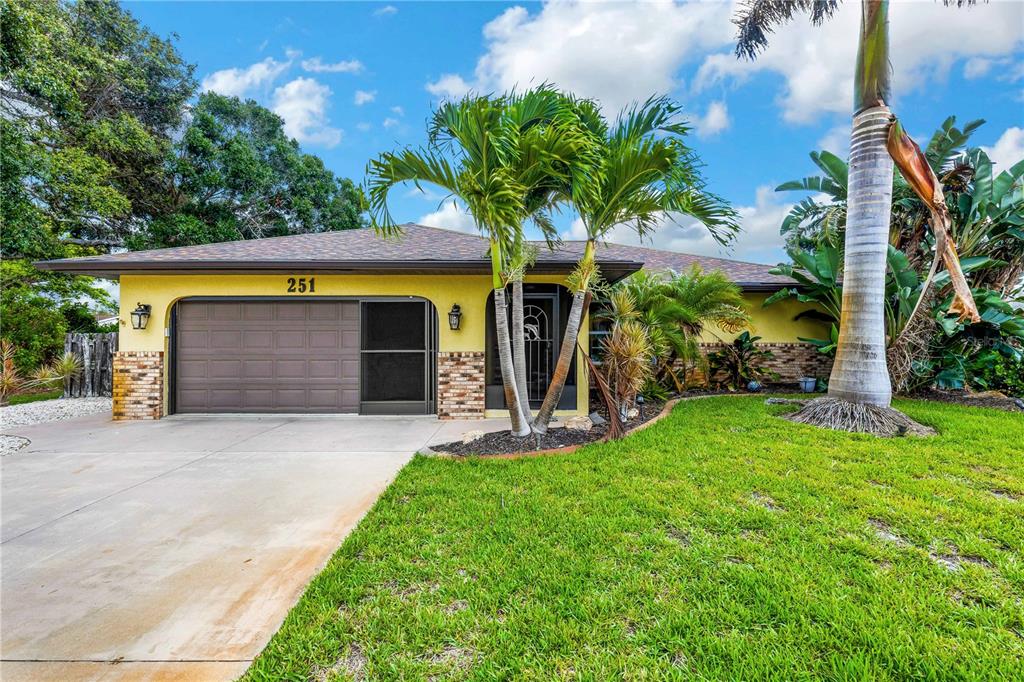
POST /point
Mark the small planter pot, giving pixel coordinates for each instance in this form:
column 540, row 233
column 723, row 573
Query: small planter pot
column 754, row 386
column 808, row 384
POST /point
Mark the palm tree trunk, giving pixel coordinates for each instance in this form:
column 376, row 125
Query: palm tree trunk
column 519, row 347
column 580, row 302
column 860, row 374
column 520, row 425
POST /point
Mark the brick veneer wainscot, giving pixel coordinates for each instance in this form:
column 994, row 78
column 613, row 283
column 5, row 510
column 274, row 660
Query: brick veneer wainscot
column 791, row 362
column 138, row 385
column 460, row 385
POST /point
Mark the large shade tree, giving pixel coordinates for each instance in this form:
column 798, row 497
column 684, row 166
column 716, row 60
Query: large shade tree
column 859, row 393
column 498, row 156
column 643, row 175
column 235, row 174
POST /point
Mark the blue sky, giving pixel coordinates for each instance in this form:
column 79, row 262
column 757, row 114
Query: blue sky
column 354, row 79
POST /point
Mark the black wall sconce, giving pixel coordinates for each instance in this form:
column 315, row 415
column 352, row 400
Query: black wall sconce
column 140, row 316
column 455, row 317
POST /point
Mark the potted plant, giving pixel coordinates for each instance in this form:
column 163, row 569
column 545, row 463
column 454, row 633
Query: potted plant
column 808, row 384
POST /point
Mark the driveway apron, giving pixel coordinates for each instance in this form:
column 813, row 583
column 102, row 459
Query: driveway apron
column 174, row 549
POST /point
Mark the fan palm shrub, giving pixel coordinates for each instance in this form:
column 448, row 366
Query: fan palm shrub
column 643, row 174
column 676, row 309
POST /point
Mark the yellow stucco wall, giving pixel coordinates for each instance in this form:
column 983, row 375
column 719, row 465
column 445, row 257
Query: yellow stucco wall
column 775, row 324
column 469, row 291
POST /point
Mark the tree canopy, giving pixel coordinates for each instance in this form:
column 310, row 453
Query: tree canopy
column 104, row 146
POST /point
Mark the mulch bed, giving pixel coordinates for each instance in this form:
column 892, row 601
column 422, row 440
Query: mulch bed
column 504, row 443
column 992, row 399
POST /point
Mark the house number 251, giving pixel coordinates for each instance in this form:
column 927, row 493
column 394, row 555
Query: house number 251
column 301, row 285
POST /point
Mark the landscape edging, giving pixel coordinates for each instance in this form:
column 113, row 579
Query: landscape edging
column 568, row 449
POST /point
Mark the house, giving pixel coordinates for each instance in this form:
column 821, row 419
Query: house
column 353, row 322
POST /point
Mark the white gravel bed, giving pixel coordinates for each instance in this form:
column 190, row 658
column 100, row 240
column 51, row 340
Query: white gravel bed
column 9, row 444
column 51, row 410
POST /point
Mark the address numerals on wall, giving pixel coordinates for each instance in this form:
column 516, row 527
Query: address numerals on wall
column 301, row 285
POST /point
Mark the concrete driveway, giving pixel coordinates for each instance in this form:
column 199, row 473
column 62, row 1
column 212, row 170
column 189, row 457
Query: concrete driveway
column 174, row 549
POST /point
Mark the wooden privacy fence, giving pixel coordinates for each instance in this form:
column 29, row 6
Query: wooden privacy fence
column 96, row 351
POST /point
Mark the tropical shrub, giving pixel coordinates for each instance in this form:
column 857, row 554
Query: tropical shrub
column 675, row 309
column 739, row 363
column 999, row 372
column 50, row 376
column 925, row 345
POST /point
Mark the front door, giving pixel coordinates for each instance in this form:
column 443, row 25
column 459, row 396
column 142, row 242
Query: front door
column 540, row 330
column 545, row 312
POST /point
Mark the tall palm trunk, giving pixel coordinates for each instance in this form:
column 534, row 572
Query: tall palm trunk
column 859, row 374
column 520, row 424
column 580, row 301
column 519, row 347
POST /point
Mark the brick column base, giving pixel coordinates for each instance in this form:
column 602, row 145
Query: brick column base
column 138, row 385
column 460, row 385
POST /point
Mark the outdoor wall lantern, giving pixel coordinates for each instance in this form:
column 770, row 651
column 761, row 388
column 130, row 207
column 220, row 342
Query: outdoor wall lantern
column 140, row 316
column 455, row 317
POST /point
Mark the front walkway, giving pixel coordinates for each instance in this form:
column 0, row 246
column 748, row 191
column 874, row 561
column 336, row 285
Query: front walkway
column 174, row 549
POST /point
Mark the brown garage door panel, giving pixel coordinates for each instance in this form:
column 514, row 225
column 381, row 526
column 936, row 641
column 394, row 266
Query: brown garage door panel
column 263, row 356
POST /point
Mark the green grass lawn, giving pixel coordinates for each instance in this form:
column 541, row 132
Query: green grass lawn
column 721, row 543
column 35, row 397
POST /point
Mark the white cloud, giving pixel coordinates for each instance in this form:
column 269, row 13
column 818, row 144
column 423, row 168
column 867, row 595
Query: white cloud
column 364, row 127
column 424, row 192
column 759, row 241
column 390, row 123
column 614, row 52
column 398, row 111
column 976, row 67
column 817, row 63
column 1008, row 149
column 385, row 11
column 714, row 121
column 364, row 97
column 449, row 85
column 302, row 103
column 238, row 82
column 837, row 140
column 316, row 65
column 450, row 216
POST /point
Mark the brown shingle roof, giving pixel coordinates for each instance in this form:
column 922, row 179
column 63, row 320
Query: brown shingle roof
column 418, row 249
column 747, row 275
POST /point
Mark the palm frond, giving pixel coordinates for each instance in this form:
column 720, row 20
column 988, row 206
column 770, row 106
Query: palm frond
column 757, row 20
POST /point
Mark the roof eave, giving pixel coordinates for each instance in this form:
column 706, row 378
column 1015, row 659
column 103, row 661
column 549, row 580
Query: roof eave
column 107, row 268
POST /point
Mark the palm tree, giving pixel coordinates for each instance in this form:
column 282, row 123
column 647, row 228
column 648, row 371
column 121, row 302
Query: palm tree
column 642, row 172
column 859, row 386
column 489, row 153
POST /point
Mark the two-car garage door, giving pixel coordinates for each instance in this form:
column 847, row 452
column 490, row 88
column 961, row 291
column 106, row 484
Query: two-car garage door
column 267, row 356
